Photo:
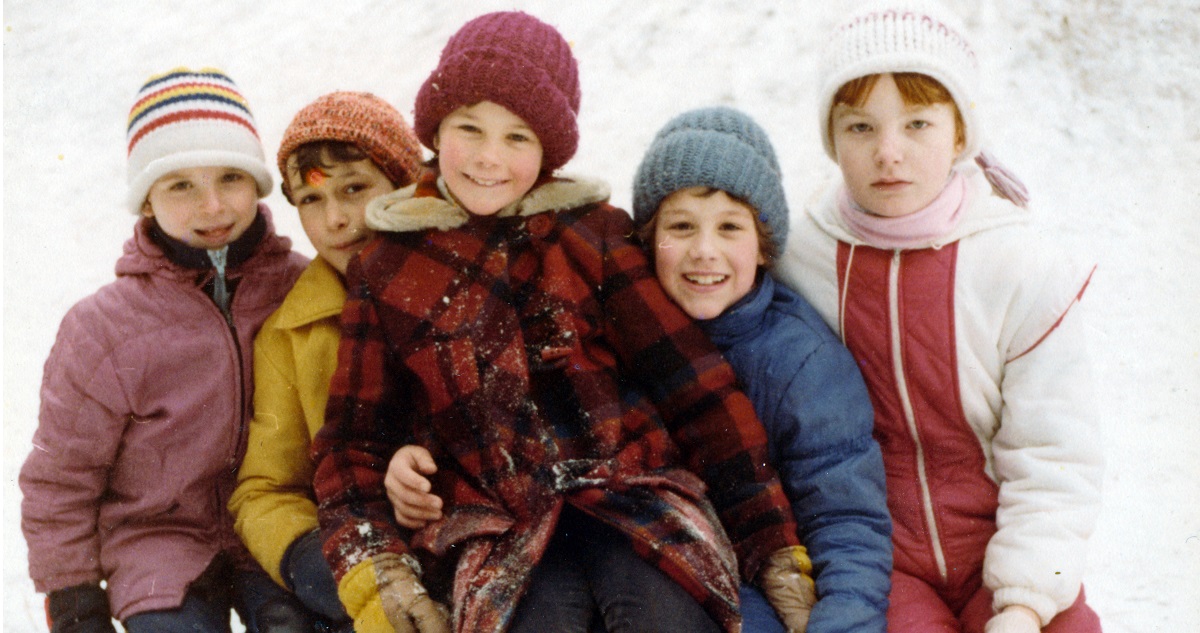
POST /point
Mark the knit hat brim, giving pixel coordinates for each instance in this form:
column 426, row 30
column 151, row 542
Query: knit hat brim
column 361, row 119
column 718, row 148
column 139, row 187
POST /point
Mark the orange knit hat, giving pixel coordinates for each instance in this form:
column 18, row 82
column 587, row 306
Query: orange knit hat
column 363, row 120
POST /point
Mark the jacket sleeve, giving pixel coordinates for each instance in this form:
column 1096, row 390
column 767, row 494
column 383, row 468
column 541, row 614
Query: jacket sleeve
column 273, row 503
column 695, row 390
column 1047, row 458
column 351, row 451
column 83, row 415
column 832, row 471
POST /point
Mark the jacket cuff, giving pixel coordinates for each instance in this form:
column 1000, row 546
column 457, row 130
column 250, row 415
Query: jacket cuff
column 1043, row 605
column 756, row 551
column 358, row 589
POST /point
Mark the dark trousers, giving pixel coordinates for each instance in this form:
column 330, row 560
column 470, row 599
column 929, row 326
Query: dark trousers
column 590, row 580
column 263, row 606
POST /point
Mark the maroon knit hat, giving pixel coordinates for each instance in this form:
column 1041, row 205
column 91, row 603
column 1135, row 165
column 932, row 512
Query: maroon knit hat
column 517, row 61
column 363, row 120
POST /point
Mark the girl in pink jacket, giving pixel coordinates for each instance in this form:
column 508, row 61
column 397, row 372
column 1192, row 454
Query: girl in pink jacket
column 966, row 326
column 147, row 389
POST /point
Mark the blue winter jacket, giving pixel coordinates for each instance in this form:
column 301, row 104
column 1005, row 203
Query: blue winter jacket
column 812, row 400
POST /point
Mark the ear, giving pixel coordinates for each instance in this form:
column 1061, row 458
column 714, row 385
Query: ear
column 437, row 141
column 147, row 210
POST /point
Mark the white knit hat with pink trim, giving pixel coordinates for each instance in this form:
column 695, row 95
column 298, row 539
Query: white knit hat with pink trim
column 909, row 36
column 185, row 118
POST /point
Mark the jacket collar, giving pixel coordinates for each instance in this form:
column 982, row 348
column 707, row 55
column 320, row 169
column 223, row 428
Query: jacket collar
column 743, row 318
column 144, row 255
column 427, row 204
column 319, row 293
column 181, row 254
column 985, row 212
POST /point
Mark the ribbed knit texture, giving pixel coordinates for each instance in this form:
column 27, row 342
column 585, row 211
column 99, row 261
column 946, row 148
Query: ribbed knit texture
column 183, row 119
column 517, row 61
column 716, row 147
column 914, row 36
column 363, row 120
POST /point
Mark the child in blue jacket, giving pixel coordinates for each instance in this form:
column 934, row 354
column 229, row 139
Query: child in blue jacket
column 711, row 210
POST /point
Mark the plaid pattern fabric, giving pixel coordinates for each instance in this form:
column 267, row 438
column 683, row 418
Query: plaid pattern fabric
column 540, row 361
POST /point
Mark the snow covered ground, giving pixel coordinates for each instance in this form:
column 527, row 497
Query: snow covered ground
column 1093, row 102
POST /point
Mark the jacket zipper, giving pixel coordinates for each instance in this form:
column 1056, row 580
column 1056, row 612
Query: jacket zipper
column 910, row 417
column 240, row 381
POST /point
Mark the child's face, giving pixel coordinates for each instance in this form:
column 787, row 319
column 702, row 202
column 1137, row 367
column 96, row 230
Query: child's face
column 332, row 202
column 488, row 157
column 895, row 157
column 706, row 250
column 203, row 207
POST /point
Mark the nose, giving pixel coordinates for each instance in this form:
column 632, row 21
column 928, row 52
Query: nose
column 488, row 152
column 336, row 217
column 211, row 201
column 889, row 148
column 703, row 246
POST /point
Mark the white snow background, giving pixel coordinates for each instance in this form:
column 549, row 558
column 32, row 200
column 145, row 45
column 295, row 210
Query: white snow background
column 1092, row 102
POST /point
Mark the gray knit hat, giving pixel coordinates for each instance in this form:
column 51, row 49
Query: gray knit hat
column 716, row 147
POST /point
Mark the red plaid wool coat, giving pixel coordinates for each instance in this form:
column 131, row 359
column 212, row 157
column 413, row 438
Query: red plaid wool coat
column 535, row 354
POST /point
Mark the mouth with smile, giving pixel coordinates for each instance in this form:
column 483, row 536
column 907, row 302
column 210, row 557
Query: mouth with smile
column 215, row 234
column 485, row 182
column 705, row 280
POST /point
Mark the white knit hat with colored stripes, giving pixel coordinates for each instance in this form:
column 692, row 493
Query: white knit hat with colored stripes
column 187, row 118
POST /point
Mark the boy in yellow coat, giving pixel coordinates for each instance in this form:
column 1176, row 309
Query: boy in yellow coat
column 338, row 153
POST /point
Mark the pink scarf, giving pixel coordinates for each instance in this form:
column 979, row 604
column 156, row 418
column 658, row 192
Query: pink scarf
column 916, row 230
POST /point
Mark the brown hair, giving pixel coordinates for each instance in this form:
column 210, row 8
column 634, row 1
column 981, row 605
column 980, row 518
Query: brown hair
column 915, row 89
column 766, row 245
column 322, row 155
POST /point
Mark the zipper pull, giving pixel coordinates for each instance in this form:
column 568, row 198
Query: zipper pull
column 220, row 290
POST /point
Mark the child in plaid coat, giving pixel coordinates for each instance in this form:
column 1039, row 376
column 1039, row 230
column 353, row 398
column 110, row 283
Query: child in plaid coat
column 508, row 322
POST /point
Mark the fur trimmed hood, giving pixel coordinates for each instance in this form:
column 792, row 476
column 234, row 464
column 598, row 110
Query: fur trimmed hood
column 418, row 207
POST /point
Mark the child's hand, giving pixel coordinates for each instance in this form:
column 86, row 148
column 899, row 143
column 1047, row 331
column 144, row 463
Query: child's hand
column 1014, row 619
column 408, row 489
column 785, row 581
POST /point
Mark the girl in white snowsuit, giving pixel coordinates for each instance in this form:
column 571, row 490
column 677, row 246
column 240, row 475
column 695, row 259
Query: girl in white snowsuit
column 966, row 325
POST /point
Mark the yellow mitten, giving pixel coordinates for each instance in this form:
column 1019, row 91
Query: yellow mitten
column 785, row 581
column 384, row 595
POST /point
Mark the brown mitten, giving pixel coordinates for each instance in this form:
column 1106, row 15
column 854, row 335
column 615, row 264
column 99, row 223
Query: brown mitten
column 786, row 582
column 385, row 594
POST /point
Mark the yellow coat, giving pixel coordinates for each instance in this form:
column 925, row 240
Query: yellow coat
column 294, row 356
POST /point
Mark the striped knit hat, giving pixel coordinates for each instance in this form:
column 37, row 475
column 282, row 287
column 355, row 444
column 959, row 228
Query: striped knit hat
column 517, row 61
column 363, row 120
column 186, row 118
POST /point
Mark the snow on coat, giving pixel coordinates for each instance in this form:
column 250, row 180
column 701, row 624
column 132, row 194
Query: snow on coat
column 535, row 354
